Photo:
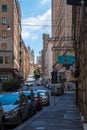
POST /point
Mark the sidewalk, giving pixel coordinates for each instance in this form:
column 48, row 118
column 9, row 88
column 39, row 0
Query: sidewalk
column 71, row 119
column 84, row 125
column 63, row 115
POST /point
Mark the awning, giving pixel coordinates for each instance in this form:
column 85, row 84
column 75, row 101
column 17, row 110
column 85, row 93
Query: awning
column 73, row 79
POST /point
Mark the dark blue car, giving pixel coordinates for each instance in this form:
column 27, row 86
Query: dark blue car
column 15, row 106
column 31, row 101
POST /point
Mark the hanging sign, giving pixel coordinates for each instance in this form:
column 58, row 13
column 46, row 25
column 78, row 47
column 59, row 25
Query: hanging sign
column 68, row 59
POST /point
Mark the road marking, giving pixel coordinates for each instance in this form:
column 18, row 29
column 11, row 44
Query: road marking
column 40, row 128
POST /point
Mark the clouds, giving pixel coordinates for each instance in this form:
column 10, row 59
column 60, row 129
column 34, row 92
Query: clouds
column 44, row 1
column 36, row 20
column 32, row 27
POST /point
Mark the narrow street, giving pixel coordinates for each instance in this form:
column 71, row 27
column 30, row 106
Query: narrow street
column 64, row 115
column 43, row 45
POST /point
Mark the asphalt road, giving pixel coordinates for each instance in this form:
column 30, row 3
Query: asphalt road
column 38, row 113
column 61, row 114
column 36, row 120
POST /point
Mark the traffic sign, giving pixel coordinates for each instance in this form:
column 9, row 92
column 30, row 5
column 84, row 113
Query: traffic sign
column 76, row 2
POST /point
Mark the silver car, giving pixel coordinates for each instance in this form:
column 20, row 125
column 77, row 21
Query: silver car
column 45, row 97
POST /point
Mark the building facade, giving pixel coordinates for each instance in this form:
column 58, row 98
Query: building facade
column 47, row 56
column 25, row 66
column 49, row 61
column 62, row 35
column 61, row 29
column 80, row 45
column 10, row 40
column 31, row 61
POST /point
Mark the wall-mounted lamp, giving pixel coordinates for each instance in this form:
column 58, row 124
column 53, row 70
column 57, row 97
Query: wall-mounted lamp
column 8, row 28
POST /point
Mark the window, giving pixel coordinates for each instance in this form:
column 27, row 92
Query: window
column 23, row 98
column 4, row 21
column 4, row 8
column 1, row 59
column 4, row 46
column 7, row 60
column 3, row 78
column 4, row 33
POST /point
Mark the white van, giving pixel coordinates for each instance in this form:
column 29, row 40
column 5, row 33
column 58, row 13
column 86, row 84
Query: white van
column 57, row 89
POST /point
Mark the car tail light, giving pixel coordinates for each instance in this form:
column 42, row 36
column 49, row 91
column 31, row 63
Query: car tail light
column 38, row 100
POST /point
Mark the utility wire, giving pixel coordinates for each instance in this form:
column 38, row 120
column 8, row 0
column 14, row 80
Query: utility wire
column 44, row 25
column 43, row 20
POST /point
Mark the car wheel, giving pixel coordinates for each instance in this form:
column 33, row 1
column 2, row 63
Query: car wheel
column 31, row 113
column 20, row 119
column 35, row 111
column 48, row 103
column 41, row 107
column 2, row 126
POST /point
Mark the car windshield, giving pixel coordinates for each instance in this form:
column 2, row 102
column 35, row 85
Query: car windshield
column 8, row 99
column 42, row 94
column 35, row 94
column 28, row 94
column 30, row 81
column 31, row 76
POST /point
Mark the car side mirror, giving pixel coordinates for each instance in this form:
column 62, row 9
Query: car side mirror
column 17, row 102
column 28, row 97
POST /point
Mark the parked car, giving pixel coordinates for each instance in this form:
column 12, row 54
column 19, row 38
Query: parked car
column 31, row 77
column 30, row 82
column 2, row 124
column 38, row 100
column 15, row 106
column 31, row 100
column 57, row 89
column 71, row 86
column 25, row 87
column 45, row 97
column 39, row 83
